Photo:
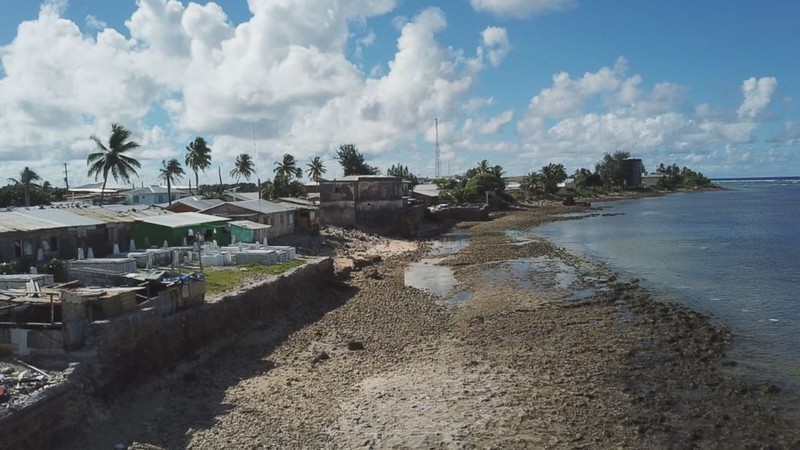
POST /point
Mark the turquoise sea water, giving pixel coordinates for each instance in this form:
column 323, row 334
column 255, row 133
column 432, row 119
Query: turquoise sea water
column 732, row 253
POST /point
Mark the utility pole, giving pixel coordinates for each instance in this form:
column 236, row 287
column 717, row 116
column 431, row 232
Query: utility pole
column 436, row 158
column 66, row 176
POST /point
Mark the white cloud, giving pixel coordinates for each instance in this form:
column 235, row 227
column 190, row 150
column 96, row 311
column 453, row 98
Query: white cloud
column 521, row 8
column 605, row 111
column 185, row 70
column 95, row 23
column 284, row 73
column 496, row 123
column 477, row 103
column 494, row 44
column 757, row 96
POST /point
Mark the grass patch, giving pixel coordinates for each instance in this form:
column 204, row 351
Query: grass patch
column 220, row 280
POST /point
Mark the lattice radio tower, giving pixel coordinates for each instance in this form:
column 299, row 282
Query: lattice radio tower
column 436, row 162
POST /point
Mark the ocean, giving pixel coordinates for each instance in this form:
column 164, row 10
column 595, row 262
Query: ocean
column 734, row 254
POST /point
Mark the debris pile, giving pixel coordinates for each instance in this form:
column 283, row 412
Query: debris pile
column 21, row 383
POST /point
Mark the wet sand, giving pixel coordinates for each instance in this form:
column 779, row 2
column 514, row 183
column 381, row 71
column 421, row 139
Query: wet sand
column 523, row 363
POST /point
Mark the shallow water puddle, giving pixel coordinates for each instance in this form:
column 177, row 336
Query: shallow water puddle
column 428, row 275
column 547, row 277
column 450, row 243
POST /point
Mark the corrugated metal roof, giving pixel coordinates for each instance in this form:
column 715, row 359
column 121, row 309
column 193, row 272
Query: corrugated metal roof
column 262, row 206
column 365, row 178
column 148, row 190
column 249, row 224
column 430, row 190
column 197, row 203
column 118, row 215
column 98, row 187
column 42, row 219
column 186, row 219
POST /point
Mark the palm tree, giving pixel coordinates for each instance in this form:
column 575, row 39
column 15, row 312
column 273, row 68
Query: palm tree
column 113, row 158
column 198, row 157
column 315, row 169
column 484, row 167
column 170, row 172
column 288, row 168
column 243, row 167
column 26, row 177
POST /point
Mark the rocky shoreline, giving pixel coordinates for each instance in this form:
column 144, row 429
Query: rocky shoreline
column 524, row 363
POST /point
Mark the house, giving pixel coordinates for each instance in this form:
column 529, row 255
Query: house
column 374, row 200
column 232, row 195
column 118, row 220
column 31, row 235
column 192, row 204
column 249, row 231
column 153, row 195
column 281, row 218
column 651, row 179
column 92, row 192
column 36, row 235
column 427, row 193
column 306, row 210
column 179, row 229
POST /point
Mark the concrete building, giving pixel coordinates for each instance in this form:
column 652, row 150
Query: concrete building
column 380, row 202
column 632, row 172
column 361, row 199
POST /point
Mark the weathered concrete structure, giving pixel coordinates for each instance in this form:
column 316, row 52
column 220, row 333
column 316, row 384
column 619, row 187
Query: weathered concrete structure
column 361, row 199
column 372, row 200
column 129, row 348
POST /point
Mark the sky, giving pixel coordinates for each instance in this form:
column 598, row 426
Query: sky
column 708, row 84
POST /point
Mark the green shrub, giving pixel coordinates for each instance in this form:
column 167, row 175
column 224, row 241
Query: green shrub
column 7, row 268
column 58, row 269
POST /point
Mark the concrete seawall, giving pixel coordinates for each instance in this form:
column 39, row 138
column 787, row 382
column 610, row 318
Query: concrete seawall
column 134, row 347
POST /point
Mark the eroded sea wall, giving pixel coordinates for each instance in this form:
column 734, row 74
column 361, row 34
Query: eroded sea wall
column 134, row 347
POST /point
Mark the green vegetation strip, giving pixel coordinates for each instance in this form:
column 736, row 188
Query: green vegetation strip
column 222, row 280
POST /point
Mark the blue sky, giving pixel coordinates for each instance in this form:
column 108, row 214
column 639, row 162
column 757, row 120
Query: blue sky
column 706, row 84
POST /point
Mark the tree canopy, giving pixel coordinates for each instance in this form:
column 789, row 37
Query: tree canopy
column 170, row 172
column 680, row 178
column 352, row 161
column 612, row 169
column 198, row 157
column 26, row 178
column 403, row 173
column 243, row 167
column 287, row 168
column 315, row 169
column 113, row 158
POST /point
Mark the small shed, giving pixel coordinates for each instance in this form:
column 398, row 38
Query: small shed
column 249, row 231
column 174, row 229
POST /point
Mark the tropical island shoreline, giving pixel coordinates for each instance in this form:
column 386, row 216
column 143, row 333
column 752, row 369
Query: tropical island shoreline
column 521, row 364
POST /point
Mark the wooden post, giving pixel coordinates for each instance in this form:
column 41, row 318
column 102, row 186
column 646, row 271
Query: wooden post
column 52, row 310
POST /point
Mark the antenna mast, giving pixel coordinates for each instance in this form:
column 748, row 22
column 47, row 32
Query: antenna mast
column 66, row 176
column 436, row 158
